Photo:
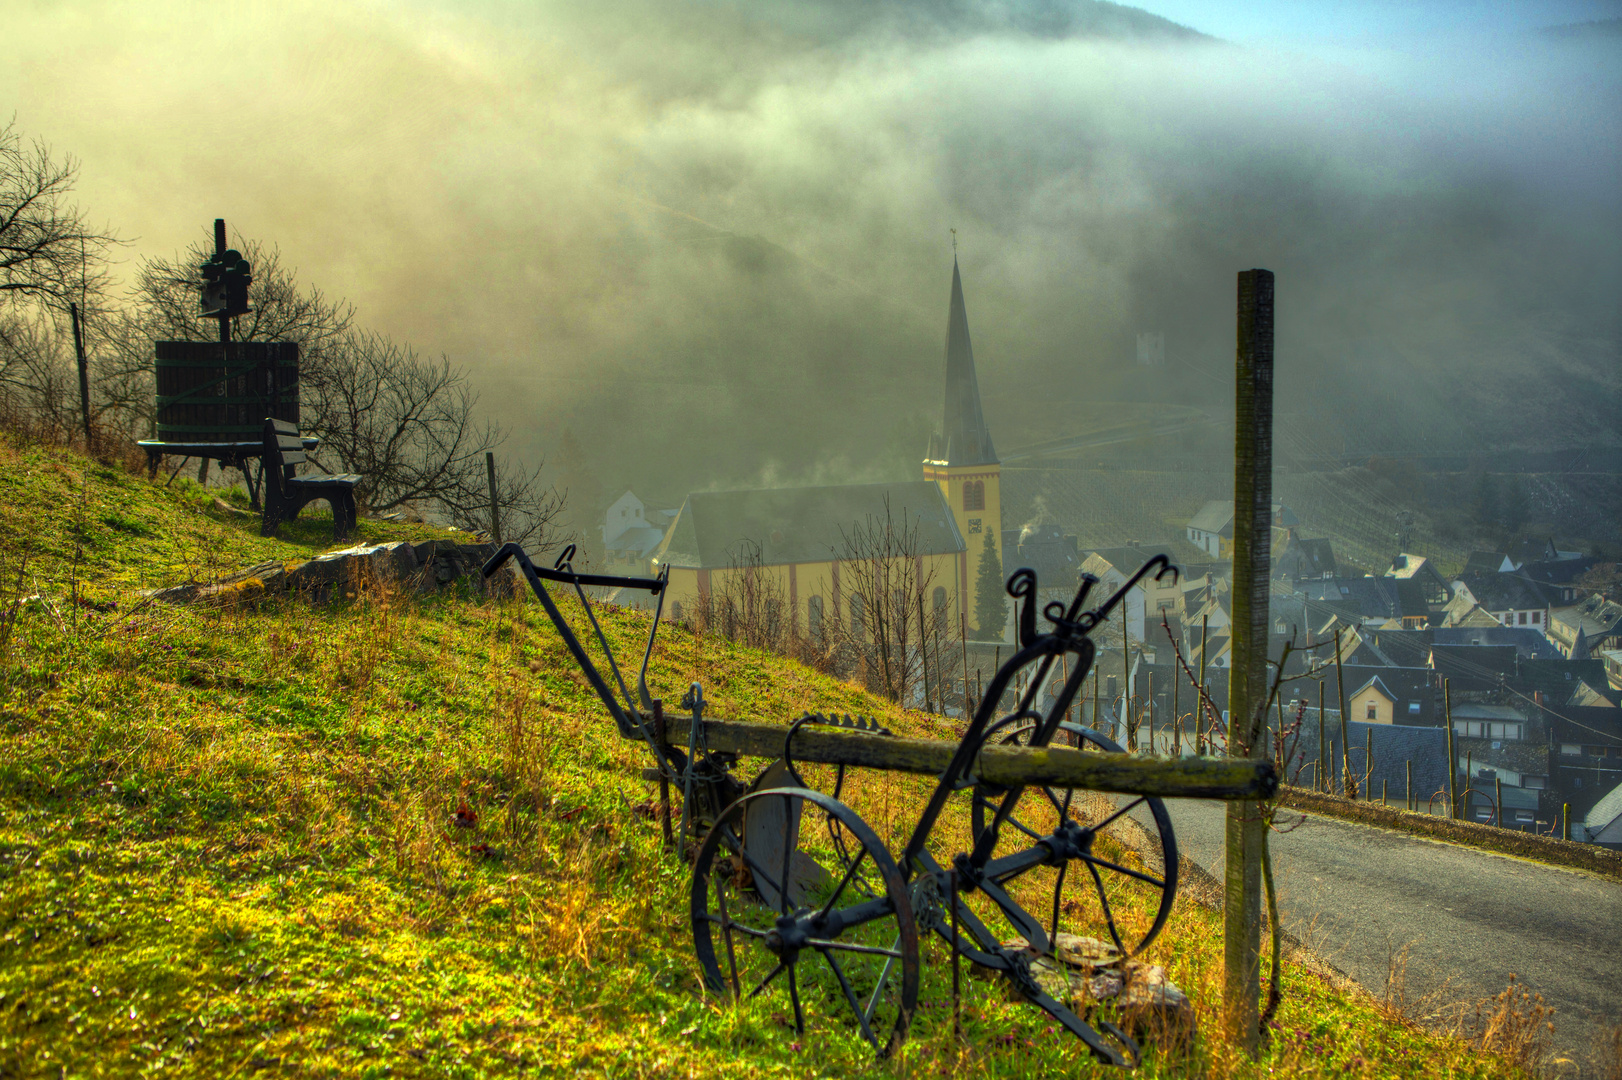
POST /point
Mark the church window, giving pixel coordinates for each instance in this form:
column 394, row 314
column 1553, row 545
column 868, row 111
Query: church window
column 974, row 495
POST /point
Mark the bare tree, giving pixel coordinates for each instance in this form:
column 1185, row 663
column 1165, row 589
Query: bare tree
column 46, row 249
column 748, row 604
column 888, row 587
column 49, row 258
column 408, row 427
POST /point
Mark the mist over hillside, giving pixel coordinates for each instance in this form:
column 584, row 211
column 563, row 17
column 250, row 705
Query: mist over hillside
column 711, row 241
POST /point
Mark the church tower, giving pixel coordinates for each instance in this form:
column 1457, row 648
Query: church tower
column 962, row 460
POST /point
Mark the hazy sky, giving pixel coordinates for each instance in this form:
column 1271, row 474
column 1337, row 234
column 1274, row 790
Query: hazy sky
column 711, row 237
column 1346, row 22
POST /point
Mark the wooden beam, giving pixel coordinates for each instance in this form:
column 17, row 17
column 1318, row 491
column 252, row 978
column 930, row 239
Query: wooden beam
column 1053, row 766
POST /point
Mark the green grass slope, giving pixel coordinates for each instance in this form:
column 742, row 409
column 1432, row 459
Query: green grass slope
column 228, row 839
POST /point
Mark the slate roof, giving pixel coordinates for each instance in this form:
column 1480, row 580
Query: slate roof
column 1486, row 562
column 1596, row 617
column 1529, row 642
column 1216, row 516
column 800, row 525
column 1394, row 747
column 1045, row 549
column 1474, row 667
column 1372, row 597
column 1607, row 810
column 1556, row 677
column 1505, row 592
column 963, row 438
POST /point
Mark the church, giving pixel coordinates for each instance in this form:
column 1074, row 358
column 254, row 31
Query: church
column 799, row 536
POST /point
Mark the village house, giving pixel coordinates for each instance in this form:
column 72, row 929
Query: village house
column 1511, row 599
column 1211, row 529
column 631, row 533
column 1593, row 625
column 1417, row 568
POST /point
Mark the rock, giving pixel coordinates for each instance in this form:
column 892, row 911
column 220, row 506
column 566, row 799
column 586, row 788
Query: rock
column 429, row 565
column 1153, row 1009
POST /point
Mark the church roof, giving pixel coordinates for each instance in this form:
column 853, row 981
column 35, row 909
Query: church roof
column 963, row 438
column 802, row 525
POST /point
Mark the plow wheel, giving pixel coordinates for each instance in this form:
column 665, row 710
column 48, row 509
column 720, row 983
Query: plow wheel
column 795, row 901
column 1084, row 891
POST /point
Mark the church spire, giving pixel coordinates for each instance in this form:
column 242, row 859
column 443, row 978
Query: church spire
column 963, row 439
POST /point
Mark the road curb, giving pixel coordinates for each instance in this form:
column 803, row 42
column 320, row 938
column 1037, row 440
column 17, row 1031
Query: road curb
column 1543, row 849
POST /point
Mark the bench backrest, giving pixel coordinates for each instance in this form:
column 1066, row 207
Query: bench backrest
column 284, row 449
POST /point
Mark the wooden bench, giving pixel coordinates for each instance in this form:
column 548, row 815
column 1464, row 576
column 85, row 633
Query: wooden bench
column 286, row 494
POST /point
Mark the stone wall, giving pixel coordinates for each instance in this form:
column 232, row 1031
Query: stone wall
column 422, row 567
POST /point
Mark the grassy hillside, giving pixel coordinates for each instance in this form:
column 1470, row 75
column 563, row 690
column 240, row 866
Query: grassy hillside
column 229, row 839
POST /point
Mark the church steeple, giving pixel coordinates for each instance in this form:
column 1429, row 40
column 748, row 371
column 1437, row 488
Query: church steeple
column 963, row 438
column 964, row 463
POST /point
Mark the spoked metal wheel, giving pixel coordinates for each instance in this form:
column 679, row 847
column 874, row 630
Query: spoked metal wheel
column 1088, row 891
column 823, row 929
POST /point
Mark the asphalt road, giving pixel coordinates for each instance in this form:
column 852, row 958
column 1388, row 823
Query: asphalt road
column 1359, row 895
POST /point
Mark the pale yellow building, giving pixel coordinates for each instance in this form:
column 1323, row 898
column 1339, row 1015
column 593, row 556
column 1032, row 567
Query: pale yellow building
column 797, row 541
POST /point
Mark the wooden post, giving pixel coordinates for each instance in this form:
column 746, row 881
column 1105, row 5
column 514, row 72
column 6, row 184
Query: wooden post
column 1347, row 787
column 1129, row 728
column 1498, row 798
column 1176, row 713
column 1324, row 783
column 495, row 507
column 1382, row 792
column 1408, row 785
column 1368, row 764
column 84, row 372
column 1565, row 821
column 1452, row 758
column 1247, row 670
column 1199, row 704
column 1150, row 710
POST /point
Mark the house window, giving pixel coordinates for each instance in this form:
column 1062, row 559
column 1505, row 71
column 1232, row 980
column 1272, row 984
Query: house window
column 1523, row 618
column 1534, row 783
column 1374, row 711
column 1523, row 817
column 974, row 495
column 1571, row 749
column 1413, row 708
column 1537, row 617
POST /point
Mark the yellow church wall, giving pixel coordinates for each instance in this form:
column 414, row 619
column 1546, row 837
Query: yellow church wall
column 798, row 583
column 972, row 524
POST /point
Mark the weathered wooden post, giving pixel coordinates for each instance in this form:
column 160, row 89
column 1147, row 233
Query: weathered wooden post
column 1347, row 788
column 1565, row 821
column 1199, row 704
column 84, row 372
column 1325, row 784
column 495, row 507
column 1247, row 673
column 1452, row 758
column 1367, row 782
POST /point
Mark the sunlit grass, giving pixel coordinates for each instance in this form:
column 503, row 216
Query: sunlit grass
column 230, row 841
